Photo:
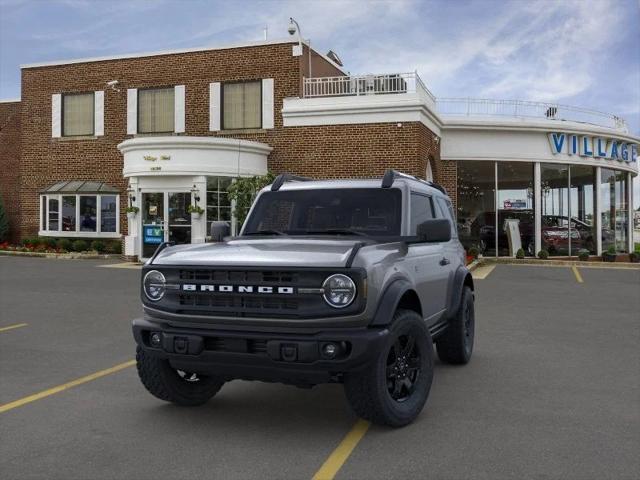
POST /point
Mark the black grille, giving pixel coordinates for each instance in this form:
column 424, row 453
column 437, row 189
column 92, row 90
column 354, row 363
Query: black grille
column 301, row 303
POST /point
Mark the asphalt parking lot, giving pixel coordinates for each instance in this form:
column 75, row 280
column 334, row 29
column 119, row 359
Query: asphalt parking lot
column 553, row 390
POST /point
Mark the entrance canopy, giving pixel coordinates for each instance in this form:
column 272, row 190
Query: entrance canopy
column 80, row 186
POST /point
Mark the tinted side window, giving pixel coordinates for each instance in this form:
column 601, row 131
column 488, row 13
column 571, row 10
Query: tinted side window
column 421, row 210
column 447, row 212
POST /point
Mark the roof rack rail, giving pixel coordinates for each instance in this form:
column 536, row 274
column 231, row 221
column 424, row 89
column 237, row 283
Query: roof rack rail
column 287, row 177
column 390, row 175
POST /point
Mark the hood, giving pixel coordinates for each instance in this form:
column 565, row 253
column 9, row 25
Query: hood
column 277, row 252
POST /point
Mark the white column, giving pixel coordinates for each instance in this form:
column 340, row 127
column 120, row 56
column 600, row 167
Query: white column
column 598, row 212
column 537, row 182
column 132, row 241
column 199, row 226
column 630, row 212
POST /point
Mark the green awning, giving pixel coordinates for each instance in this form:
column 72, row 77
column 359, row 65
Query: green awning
column 80, row 186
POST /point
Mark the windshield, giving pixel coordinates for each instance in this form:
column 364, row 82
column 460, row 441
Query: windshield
column 344, row 211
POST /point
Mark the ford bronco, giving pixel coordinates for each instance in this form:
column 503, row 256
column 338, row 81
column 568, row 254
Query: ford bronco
column 347, row 281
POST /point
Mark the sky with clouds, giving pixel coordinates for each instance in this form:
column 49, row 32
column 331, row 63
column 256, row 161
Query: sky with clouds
column 578, row 52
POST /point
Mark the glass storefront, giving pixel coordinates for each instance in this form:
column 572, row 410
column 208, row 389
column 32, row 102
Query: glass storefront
column 477, row 205
column 568, row 202
column 515, row 208
column 614, row 210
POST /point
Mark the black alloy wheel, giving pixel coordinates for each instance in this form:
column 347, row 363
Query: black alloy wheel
column 403, row 367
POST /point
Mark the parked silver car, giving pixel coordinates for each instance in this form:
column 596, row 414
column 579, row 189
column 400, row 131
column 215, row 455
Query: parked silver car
column 348, row 281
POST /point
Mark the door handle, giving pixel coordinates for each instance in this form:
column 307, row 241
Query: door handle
column 444, row 261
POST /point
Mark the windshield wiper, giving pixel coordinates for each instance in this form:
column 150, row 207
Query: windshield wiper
column 264, row 232
column 335, row 231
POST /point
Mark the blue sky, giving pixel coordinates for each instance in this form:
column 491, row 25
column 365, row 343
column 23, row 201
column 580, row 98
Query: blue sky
column 578, row 52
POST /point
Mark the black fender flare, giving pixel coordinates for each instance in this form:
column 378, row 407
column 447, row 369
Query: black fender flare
column 461, row 278
column 389, row 301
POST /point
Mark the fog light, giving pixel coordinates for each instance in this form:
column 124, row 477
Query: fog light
column 155, row 339
column 330, row 350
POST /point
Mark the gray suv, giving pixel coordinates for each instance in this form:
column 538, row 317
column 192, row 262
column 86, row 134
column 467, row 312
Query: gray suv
column 345, row 281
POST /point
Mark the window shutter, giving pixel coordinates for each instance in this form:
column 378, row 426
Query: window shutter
column 267, row 103
column 132, row 111
column 178, row 110
column 214, row 107
column 56, row 115
column 98, row 112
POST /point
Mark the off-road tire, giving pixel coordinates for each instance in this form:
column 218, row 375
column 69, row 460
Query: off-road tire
column 368, row 390
column 165, row 383
column 455, row 345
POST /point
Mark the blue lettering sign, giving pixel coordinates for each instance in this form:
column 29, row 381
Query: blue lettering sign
column 557, row 142
column 613, row 154
column 586, row 148
column 634, row 153
column 601, row 150
column 624, row 152
column 573, row 147
column 153, row 235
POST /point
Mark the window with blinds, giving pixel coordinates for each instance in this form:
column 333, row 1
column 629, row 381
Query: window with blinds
column 156, row 110
column 242, row 105
column 77, row 114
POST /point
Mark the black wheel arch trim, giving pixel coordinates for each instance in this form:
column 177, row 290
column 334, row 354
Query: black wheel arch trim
column 388, row 303
column 461, row 279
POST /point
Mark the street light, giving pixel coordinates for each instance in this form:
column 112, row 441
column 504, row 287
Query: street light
column 293, row 28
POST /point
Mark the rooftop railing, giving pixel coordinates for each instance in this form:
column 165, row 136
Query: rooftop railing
column 356, row 85
column 478, row 107
column 399, row 83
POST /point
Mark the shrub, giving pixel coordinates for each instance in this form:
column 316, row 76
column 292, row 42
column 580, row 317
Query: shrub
column 79, row 246
column 4, row 223
column 520, row 253
column 243, row 191
column 583, row 255
column 48, row 242
column 32, row 241
column 98, row 246
column 474, row 252
column 114, row 247
column 611, row 250
column 65, row 244
column 543, row 254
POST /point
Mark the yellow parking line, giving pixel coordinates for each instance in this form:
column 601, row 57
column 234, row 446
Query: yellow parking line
column 577, row 274
column 11, row 327
column 482, row 272
column 132, row 265
column 64, row 386
column 337, row 458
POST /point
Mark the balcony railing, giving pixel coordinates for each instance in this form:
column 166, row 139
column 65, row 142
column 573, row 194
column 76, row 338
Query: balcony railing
column 475, row 107
column 357, row 85
column 400, row 83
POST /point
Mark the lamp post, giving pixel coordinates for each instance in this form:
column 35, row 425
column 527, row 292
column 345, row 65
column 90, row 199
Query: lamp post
column 293, row 28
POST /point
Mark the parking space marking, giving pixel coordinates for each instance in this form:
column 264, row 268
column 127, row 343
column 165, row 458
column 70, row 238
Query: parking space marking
column 337, row 458
column 133, row 265
column 11, row 327
column 65, row 386
column 482, row 272
column 577, row 274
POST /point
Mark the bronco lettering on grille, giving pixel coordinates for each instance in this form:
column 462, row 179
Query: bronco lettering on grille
column 192, row 287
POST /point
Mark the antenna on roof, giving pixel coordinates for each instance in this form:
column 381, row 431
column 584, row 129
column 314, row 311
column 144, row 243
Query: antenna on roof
column 266, row 32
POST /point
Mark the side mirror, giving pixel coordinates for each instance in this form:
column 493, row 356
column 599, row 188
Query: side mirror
column 436, row 230
column 219, row 230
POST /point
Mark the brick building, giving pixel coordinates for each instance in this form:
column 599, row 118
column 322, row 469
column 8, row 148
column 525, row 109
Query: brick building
column 161, row 131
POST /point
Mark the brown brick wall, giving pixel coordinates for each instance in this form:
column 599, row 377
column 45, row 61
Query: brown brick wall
column 324, row 151
column 10, row 163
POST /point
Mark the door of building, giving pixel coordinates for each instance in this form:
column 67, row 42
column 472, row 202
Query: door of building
column 164, row 219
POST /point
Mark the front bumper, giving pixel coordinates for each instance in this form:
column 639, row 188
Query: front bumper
column 294, row 358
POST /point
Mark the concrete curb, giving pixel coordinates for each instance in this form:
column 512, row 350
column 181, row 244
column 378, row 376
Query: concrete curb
column 63, row 256
column 562, row 263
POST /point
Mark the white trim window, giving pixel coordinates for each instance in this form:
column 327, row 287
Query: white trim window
column 242, row 105
column 78, row 114
column 156, row 110
column 80, row 215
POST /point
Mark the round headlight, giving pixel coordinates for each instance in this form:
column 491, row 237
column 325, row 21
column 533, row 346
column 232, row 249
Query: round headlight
column 339, row 290
column 154, row 285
